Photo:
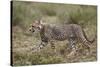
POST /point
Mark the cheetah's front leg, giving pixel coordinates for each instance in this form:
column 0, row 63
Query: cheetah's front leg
column 43, row 44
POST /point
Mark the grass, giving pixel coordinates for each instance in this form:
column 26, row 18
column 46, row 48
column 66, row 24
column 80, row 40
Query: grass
column 24, row 41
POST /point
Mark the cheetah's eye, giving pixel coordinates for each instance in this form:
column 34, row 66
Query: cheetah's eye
column 32, row 26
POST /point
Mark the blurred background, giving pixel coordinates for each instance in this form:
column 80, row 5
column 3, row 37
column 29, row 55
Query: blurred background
column 24, row 13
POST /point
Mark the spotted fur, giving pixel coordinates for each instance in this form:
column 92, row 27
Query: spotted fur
column 71, row 32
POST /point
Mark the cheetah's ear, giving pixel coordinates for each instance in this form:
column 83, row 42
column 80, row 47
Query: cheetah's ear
column 41, row 22
column 36, row 21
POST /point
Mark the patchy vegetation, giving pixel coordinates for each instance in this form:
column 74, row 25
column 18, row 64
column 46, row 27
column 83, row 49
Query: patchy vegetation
column 24, row 41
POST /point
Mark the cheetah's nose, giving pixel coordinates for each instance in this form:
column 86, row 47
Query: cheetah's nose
column 29, row 29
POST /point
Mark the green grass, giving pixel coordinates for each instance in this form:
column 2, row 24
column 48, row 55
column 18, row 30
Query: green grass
column 24, row 41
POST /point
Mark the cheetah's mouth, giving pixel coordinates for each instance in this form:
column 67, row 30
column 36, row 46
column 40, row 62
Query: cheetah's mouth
column 33, row 30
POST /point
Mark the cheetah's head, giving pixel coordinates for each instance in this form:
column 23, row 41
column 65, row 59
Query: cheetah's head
column 36, row 25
